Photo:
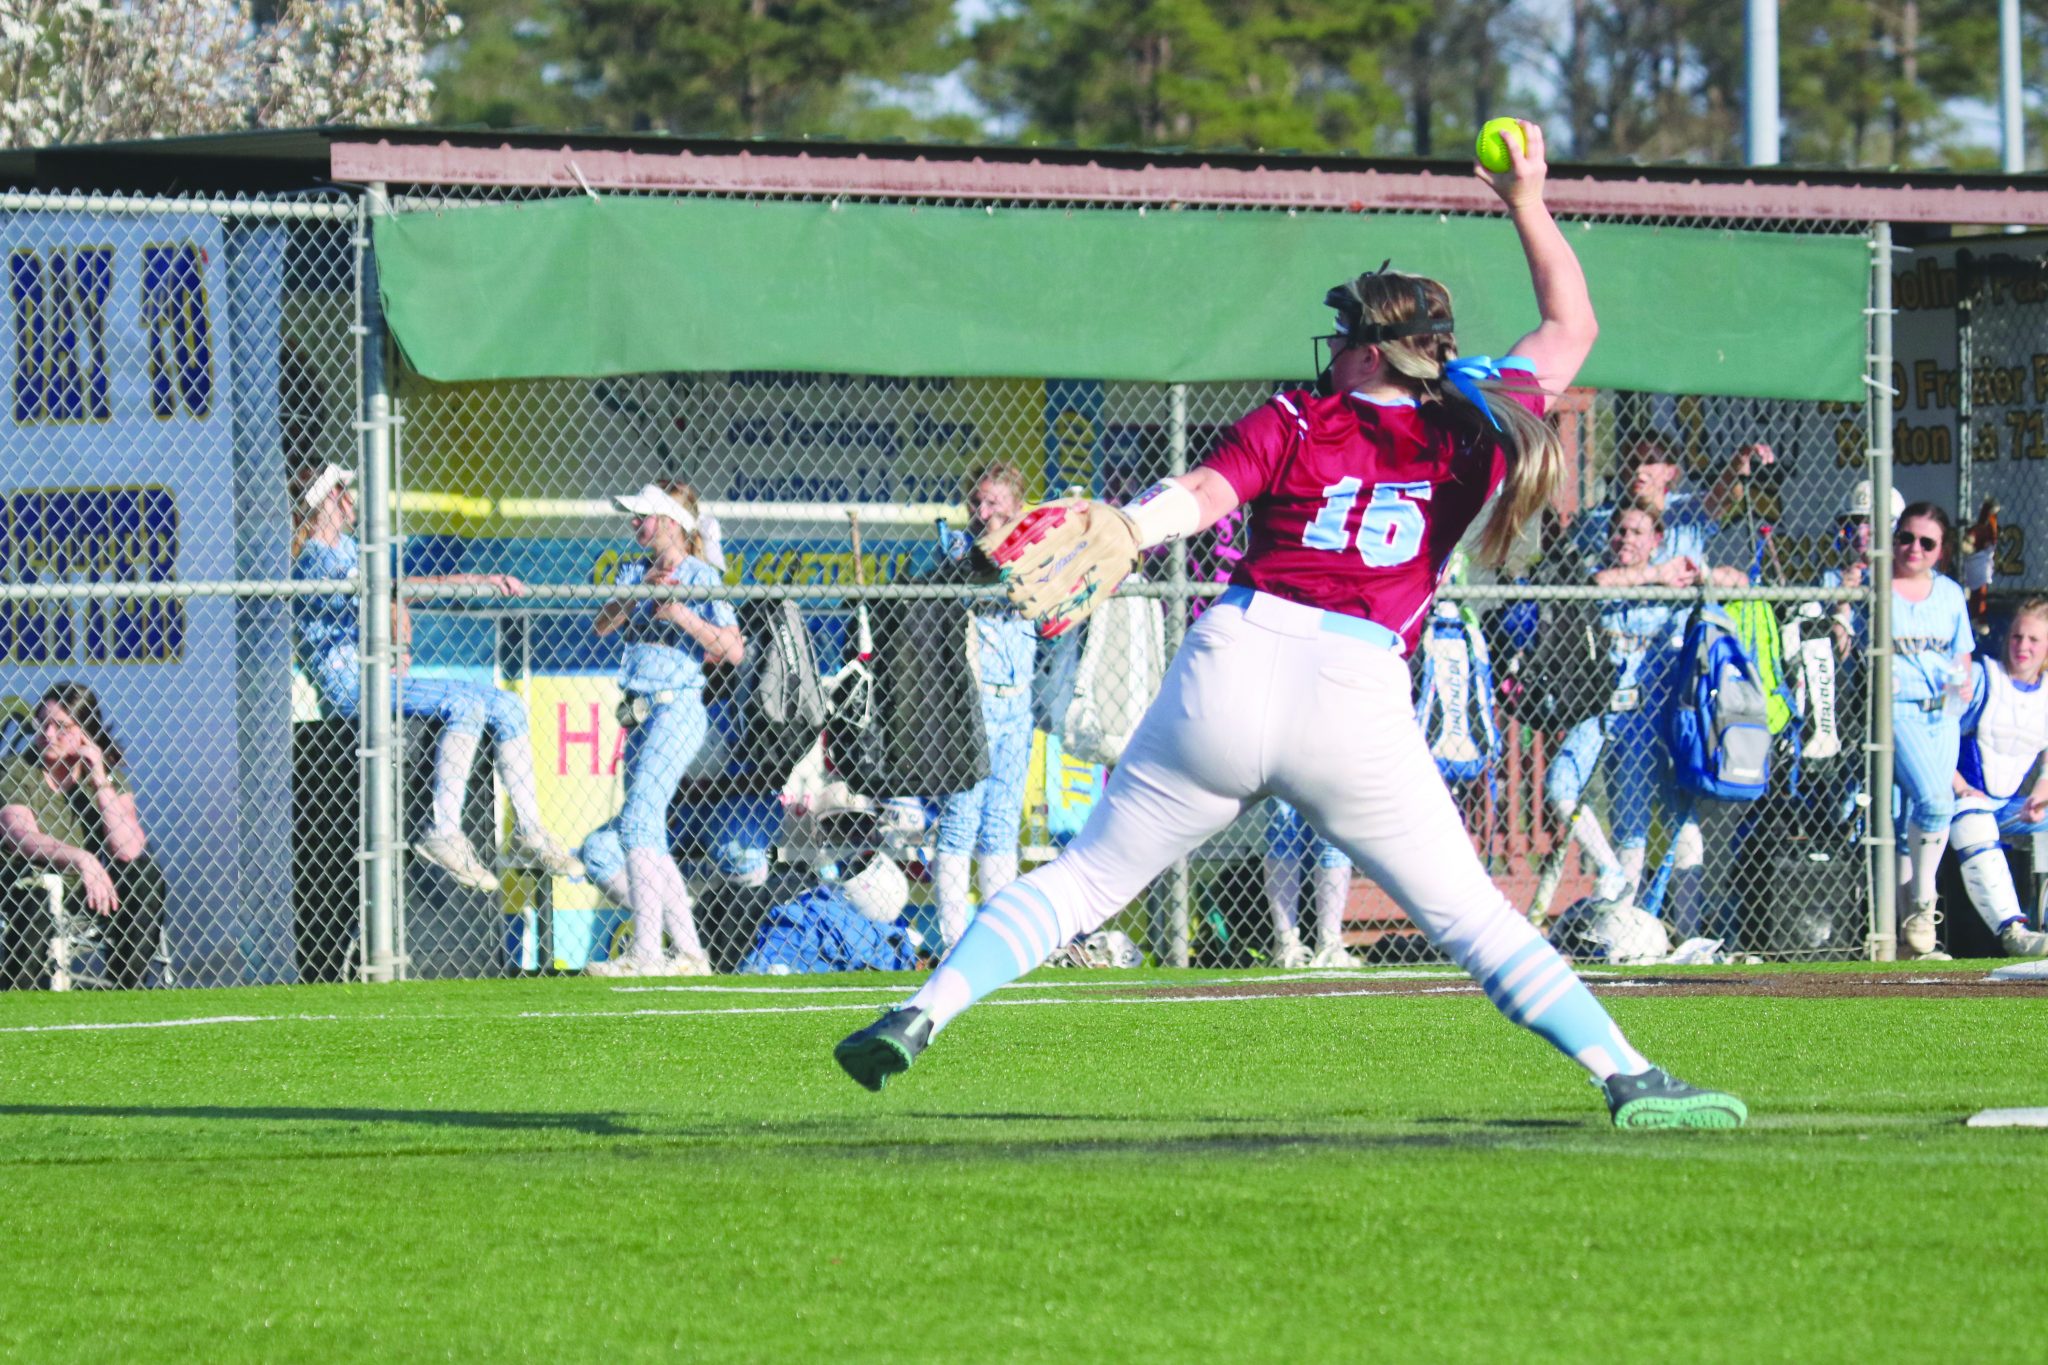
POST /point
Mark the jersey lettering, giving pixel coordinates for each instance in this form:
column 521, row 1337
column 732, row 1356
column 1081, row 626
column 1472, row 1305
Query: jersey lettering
column 1389, row 533
column 1327, row 531
column 1391, row 530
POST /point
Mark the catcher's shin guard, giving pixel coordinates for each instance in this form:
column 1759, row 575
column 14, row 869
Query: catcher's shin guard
column 1986, row 876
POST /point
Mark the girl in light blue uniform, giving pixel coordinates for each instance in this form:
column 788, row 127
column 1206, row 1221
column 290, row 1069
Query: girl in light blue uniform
column 984, row 821
column 1931, row 680
column 669, row 644
column 2005, row 737
column 1642, row 640
column 1288, row 838
column 324, row 508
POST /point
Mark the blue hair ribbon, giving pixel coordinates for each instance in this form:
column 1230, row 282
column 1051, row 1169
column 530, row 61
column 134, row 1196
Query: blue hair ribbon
column 1464, row 374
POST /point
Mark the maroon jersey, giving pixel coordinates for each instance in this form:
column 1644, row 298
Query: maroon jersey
column 1355, row 505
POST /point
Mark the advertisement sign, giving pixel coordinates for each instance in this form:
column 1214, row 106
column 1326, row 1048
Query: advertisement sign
column 2007, row 432
column 140, row 378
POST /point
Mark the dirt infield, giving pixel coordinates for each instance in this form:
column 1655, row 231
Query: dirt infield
column 1920, row 983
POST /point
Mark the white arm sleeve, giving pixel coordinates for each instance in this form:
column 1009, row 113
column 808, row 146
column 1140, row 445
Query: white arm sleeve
column 1168, row 510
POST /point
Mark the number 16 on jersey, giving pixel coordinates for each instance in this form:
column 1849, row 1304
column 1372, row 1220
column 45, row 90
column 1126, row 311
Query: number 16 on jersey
column 1389, row 533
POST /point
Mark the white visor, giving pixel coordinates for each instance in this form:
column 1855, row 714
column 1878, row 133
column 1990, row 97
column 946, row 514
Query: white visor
column 331, row 477
column 654, row 501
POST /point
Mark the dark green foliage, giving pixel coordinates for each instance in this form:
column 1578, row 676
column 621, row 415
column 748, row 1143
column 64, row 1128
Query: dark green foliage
column 741, row 68
column 1302, row 74
column 1870, row 82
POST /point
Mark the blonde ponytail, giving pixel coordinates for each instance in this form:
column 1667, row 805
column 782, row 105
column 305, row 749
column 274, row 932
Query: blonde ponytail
column 1536, row 469
column 1535, row 453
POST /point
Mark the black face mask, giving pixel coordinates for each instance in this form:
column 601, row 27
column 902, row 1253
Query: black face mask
column 1344, row 300
column 1326, row 379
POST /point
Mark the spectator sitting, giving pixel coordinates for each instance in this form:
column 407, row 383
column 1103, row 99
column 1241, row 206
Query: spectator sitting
column 323, row 509
column 1647, row 472
column 1622, row 736
column 66, row 806
column 2005, row 734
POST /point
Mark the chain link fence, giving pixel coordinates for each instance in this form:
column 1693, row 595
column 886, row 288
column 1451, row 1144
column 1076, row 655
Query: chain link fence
column 807, row 735
column 2000, row 384
column 171, row 361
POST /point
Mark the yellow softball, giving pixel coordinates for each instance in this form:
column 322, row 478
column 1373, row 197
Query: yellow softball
column 1492, row 148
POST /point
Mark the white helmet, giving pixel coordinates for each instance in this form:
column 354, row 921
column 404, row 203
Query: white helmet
column 878, row 890
column 1595, row 930
column 1858, row 502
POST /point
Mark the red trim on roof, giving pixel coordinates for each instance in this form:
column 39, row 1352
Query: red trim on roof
column 916, row 176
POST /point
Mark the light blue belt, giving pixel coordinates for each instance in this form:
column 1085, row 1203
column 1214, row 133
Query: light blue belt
column 1335, row 622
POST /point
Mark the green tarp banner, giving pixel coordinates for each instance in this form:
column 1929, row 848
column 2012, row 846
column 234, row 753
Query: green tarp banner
column 582, row 286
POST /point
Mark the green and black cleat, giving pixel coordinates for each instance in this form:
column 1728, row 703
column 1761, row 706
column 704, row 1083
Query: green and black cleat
column 885, row 1047
column 1657, row 1099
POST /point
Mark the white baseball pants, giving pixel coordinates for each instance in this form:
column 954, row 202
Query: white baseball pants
column 1266, row 699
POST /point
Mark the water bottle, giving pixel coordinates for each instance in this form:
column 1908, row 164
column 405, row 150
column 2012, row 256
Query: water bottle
column 1952, row 702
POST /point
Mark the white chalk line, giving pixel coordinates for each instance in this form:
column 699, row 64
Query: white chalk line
column 996, row 1001
column 1265, row 978
column 176, row 1023
column 890, row 991
column 848, row 1006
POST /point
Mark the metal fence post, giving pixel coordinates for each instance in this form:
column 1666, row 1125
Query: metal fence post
column 1180, row 885
column 380, row 779
column 1966, row 361
column 1884, row 922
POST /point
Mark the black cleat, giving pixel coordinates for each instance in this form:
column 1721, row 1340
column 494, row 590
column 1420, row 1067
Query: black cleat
column 885, row 1047
column 1656, row 1099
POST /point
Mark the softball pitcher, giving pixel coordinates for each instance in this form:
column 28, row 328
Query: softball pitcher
column 1931, row 677
column 1295, row 683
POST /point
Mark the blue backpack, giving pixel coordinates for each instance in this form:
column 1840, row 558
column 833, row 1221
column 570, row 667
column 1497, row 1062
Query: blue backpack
column 1718, row 722
column 820, row 931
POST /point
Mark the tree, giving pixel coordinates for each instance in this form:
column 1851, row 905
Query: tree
column 747, row 67
column 513, row 66
column 1301, row 74
column 95, row 70
column 1862, row 82
column 1455, row 72
column 1870, row 81
column 1640, row 79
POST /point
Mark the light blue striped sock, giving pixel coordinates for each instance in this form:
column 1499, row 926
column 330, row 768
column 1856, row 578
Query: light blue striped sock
column 1538, row 990
column 1014, row 932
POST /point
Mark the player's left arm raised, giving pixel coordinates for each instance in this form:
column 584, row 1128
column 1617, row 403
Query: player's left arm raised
column 1564, row 337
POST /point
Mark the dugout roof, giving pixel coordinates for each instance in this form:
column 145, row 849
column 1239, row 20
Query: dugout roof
column 645, row 254
column 273, row 160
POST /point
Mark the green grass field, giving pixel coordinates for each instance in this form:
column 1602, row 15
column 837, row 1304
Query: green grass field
column 559, row 1170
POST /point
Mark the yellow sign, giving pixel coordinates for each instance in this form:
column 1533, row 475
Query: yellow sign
column 578, row 753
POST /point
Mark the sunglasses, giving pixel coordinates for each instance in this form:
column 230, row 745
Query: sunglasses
column 1927, row 543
